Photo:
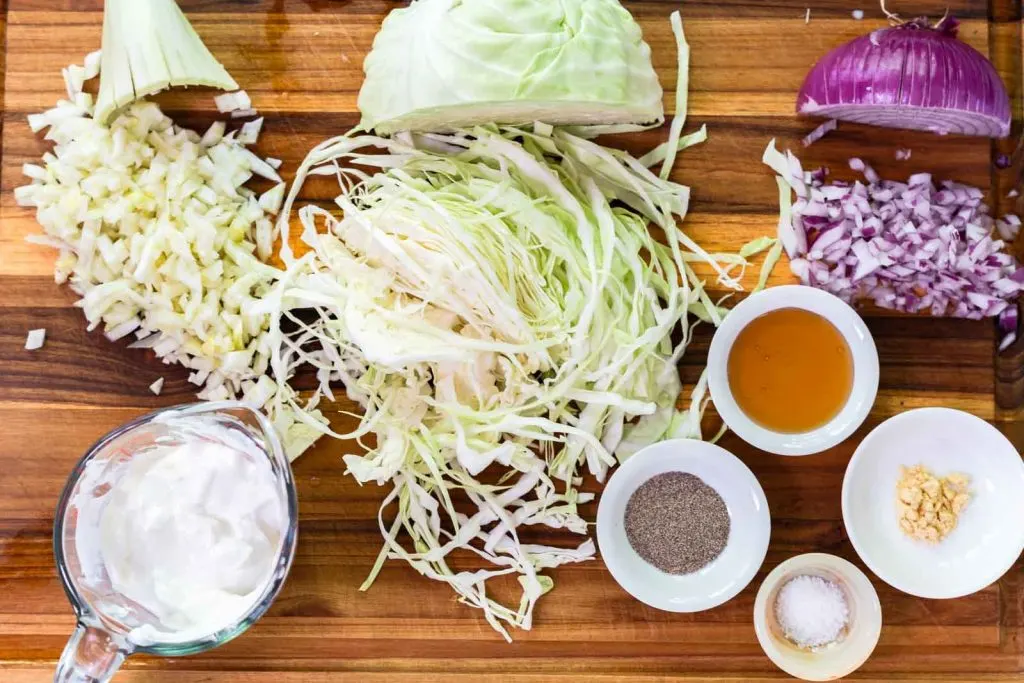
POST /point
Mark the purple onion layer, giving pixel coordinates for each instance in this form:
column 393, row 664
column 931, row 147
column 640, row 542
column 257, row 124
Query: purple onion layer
column 909, row 76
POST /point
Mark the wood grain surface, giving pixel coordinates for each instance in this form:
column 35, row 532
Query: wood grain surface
column 301, row 63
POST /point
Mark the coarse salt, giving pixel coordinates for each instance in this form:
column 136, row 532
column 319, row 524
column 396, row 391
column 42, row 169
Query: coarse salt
column 812, row 611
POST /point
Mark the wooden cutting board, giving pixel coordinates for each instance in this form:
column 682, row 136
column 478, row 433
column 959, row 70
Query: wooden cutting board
column 301, row 62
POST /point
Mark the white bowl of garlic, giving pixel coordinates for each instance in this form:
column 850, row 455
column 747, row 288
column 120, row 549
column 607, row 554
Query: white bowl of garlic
column 932, row 503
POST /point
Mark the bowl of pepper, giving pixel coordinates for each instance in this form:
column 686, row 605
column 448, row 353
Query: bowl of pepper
column 683, row 525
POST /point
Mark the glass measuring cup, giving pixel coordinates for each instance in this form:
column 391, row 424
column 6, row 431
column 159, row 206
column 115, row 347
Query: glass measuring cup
column 103, row 636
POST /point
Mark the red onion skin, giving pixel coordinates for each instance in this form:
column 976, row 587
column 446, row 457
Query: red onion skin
column 909, row 76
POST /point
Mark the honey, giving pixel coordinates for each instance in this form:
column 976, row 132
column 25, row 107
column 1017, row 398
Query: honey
column 790, row 370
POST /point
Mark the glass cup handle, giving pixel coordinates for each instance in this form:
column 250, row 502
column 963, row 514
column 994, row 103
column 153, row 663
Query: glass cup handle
column 91, row 656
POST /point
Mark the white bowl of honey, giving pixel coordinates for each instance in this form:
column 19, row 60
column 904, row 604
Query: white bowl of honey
column 793, row 370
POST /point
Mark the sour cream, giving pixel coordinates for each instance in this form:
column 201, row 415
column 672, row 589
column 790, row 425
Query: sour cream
column 190, row 531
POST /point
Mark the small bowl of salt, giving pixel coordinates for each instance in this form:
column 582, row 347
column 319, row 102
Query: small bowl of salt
column 817, row 617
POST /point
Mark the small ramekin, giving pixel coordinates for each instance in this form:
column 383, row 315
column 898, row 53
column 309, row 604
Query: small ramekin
column 725, row 576
column 831, row 661
column 865, row 370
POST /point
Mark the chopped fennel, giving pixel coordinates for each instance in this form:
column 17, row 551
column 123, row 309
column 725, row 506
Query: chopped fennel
column 157, row 386
column 160, row 238
column 149, row 45
column 262, row 168
column 35, row 339
column 233, row 101
column 250, row 132
column 75, row 76
column 271, row 200
column 214, row 134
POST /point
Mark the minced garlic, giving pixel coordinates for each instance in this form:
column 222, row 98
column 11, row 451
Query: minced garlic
column 928, row 507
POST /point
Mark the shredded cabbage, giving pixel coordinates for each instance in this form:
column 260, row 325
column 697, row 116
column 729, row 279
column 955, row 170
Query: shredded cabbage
column 660, row 153
column 682, row 91
column 444, row 64
column 493, row 299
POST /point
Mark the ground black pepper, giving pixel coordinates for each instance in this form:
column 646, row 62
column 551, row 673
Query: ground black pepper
column 677, row 523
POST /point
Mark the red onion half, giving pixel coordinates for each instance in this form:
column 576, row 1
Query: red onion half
column 912, row 76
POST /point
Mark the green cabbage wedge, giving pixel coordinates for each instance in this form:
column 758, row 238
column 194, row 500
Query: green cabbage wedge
column 438, row 65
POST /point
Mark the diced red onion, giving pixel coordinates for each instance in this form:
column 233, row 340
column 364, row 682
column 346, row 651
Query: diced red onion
column 1008, row 326
column 909, row 76
column 819, row 132
column 1008, row 227
column 911, row 246
column 903, row 154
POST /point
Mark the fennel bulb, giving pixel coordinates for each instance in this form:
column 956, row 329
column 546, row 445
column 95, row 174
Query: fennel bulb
column 149, row 45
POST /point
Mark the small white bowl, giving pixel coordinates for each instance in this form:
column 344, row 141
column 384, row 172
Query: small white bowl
column 865, row 370
column 989, row 536
column 831, row 661
column 727, row 574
